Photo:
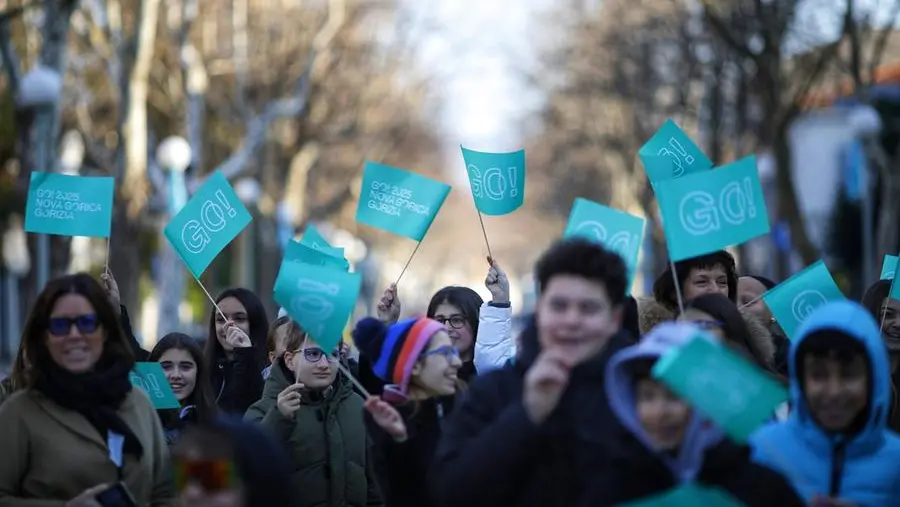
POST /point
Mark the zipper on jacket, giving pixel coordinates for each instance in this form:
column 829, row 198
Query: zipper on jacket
column 837, row 468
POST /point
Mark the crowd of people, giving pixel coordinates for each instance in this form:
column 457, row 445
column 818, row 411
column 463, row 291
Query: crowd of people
column 451, row 408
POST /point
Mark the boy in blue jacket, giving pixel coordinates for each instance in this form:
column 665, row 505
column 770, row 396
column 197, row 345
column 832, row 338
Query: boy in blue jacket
column 835, row 447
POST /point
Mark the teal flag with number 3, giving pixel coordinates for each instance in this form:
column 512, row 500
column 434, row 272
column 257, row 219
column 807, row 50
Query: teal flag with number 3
column 399, row 201
column 670, row 142
column 709, row 211
column 67, row 205
column 497, row 180
column 320, row 298
column 211, row 219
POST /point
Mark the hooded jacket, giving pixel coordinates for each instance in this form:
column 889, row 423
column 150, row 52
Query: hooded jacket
column 491, row 454
column 327, row 441
column 705, row 456
column 861, row 468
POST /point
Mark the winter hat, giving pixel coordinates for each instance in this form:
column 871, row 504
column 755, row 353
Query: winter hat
column 393, row 350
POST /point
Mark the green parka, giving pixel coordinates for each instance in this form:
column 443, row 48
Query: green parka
column 327, row 441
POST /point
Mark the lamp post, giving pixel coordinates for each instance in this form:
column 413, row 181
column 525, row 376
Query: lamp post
column 866, row 122
column 248, row 191
column 174, row 155
column 37, row 98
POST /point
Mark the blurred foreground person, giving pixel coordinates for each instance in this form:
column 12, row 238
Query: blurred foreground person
column 79, row 428
column 529, row 435
column 835, row 447
column 229, row 463
column 667, row 444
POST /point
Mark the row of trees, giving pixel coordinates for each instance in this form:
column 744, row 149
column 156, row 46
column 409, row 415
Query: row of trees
column 743, row 69
column 294, row 94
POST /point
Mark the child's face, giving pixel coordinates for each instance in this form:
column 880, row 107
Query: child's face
column 836, row 390
column 663, row 416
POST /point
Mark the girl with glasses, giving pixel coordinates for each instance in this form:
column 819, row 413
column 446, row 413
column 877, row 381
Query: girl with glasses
column 78, row 426
column 315, row 413
column 419, row 362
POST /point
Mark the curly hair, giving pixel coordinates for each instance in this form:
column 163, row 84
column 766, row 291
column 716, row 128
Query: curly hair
column 586, row 259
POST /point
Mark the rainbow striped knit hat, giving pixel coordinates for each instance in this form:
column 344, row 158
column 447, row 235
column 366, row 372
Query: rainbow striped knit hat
column 393, row 350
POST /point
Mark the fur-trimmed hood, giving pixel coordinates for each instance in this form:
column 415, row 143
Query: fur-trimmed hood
column 651, row 314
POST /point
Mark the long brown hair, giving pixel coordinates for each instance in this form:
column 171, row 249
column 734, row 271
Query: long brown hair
column 34, row 357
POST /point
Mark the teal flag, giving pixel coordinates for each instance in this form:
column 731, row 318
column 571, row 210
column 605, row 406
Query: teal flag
column 709, row 211
column 303, row 254
column 895, row 287
column 689, row 495
column 314, row 239
column 731, row 391
column 671, row 142
column 616, row 230
column 67, row 205
column 889, row 267
column 497, row 179
column 152, row 379
column 319, row 298
column 211, row 219
column 399, row 201
column 794, row 299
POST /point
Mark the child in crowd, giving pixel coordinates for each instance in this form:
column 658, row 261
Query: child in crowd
column 835, row 447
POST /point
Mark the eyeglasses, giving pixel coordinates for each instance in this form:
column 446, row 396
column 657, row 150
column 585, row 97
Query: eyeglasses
column 314, row 354
column 454, row 321
column 60, row 326
column 708, row 324
column 448, row 351
column 212, row 475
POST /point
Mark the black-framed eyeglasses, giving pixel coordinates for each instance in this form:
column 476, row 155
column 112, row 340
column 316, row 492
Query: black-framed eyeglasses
column 60, row 326
column 448, row 351
column 453, row 321
column 315, row 354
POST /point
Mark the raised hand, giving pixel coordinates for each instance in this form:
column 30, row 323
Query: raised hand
column 290, row 399
column 545, row 383
column 497, row 283
column 387, row 417
column 389, row 305
column 236, row 337
column 112, row 290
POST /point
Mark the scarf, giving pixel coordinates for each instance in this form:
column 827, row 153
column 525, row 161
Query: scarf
column 96, row 395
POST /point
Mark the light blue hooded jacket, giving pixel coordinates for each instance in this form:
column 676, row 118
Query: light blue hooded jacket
column 700, row 435
column 864, row 468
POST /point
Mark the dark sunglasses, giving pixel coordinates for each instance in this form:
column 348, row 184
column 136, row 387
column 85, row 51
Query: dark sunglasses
column 212, row 475
column 314, row 354
column 60, row 326
column 448, row 351
column 454, row 321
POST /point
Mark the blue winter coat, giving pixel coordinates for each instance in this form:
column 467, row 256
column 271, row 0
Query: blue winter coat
column 863, row 468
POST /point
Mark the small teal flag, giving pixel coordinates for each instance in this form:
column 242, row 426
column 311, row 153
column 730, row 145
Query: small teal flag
column 497, row 179
column 303, row 254
column 398, row 201
column 889, row 267
column 319, row 298
column 733, row 392
column 895, row 287
column 671, row 142
column 67, row 205
column 151, row 378
column 211, row 219
column 689, row 495
column 794, row 299
column 314, row 239
column 709, row 211
column 619, row 231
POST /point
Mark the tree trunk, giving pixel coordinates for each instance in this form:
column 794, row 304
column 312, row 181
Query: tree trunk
column 125, row 263
column 788, row 206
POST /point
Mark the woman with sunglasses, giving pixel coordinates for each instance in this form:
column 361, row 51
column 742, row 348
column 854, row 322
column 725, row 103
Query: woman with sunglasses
column 78, row 427
column 315, row 413
column 418, row 361
column 182, row 361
